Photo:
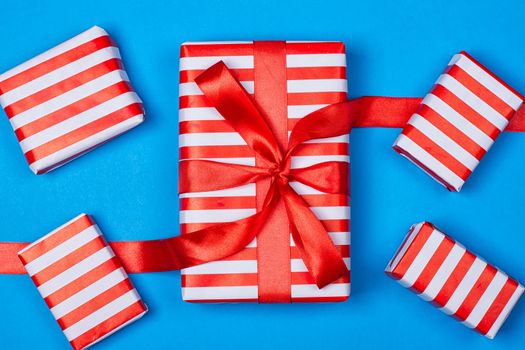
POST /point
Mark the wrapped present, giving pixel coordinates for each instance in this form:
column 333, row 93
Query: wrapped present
column 82, row 282
column 287, row 81
column 69, row 100
column 454, row 279
column 458, row 121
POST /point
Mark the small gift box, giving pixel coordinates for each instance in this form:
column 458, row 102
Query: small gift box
column 458, row 121
column 287, row 81
column 461, row 284
column 82, row 282
column 69, row 100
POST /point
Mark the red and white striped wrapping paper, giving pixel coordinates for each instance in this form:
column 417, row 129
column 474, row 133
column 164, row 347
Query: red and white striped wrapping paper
column 454, row 279
column 458, row 121
column 316, row 77
column 69, row 100
column 82, row 282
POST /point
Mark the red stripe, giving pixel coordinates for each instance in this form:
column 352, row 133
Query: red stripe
column 57, row 238
column 246, row 49
column 299, row 278
column 82, row 282
column 72, row 110
column 54, row 63
column 330, row 226
column 95, row 304
column 199, row 126
column 492, row 74
column 69, row 260
column 466, row 111
column 314, row 98
column 315, row 47
column 437, row 152
column 62, row 87
column 454, row 279
column 108, row 326
column 451, row 131
column 497, row 306
column 476, row 292
column 433, row 265
column 241, row 74
column 320, row 299
column 226, row 151
column 413, row 250
column 300, row 73
column 481, row 91
column 83, row 132
column 246, row 202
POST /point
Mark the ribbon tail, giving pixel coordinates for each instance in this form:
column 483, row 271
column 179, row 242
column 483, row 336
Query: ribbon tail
column 320, row 255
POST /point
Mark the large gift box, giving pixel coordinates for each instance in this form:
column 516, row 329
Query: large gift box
column 443, row 272
column 302, row 78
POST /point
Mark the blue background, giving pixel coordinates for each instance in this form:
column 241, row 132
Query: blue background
column 394, row 48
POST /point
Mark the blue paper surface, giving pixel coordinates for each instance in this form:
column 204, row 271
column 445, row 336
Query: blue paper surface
column 129, row 185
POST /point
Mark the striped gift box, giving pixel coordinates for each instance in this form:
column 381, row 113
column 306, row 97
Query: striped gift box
column 454, row 279
column 82, row 282
column 316, row 77
column 69, row 100
column 458, row 121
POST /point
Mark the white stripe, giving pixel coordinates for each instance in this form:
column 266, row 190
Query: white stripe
column 214, row 215
column 52, row 233
column 471, row 99
column 443, row 273
column 50, row 257
column 192, row 89
column 71, row 152
column 416, row 151
column 464, row 287
column 82, row 38
column 219, row 293
column 102, row 314
column 88, row 293
column 297, row 265
column 301, row 111
column 241, row 191
column 316, row 60
column 311, row 290
column 331, row 213
column 199, row 113
column 211, row 139
column 339, row 238
column 422, row 259
column 485, row 301
column 412, row 234
column 233, row 160
column 222, row 267
column 458, row 121
column 306, row 161
column 445, row 142
column 487, row 80
column 67, row 98
column 75, row 271
column 79, row 120
column 317, row 85
column 59, row 75
column 205, row 62
column 505, row 312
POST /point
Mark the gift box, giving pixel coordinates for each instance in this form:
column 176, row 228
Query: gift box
column 461, row 284
column 69, row 100
column 458, row 121
column 82, row 282
column 303, row 77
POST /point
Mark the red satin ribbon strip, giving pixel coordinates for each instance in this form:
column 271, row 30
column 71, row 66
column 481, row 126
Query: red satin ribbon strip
column 158, row 255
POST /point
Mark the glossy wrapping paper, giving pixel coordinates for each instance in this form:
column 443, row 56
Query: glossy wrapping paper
column 458, row 282
column 458, row 121
column 69, row 99
column 82, row 282
column 314, row 77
